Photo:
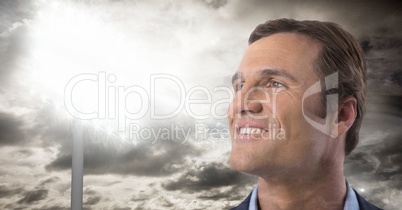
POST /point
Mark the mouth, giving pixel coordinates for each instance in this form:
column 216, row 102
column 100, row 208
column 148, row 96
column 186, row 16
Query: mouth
column 250, row 132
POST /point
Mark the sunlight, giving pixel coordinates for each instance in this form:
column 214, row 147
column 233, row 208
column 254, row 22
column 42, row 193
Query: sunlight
column 70, row 40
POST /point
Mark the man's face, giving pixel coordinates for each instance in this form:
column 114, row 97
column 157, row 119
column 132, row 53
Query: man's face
column 268, row 129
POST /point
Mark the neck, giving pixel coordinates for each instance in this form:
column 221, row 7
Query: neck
column 324, row 188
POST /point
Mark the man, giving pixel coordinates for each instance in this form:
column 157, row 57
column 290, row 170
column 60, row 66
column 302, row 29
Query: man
column 287, row 127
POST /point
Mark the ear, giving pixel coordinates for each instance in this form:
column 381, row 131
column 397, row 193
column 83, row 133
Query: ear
column 347, row 112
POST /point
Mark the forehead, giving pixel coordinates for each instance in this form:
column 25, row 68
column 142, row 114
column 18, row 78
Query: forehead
column 290, row 52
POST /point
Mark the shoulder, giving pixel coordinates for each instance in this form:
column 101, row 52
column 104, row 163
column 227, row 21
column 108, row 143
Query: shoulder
column 364, row 204
column 244, row 205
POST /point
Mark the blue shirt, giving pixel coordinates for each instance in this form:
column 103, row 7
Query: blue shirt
column 350, row 202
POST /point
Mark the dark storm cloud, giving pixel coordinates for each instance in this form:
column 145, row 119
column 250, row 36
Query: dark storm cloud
column 14, row 47
column 390, row 159
column 33, row 196
column 232, row 194
column 7, row 192
column 89, row 191
column 362, row 17
column 12, row 11
column 207, row 177
column 11, row 129
column 215, row 3
column 92, row 200
column 124, row 208
column 144, row 160
column 381, row 162
column 358, row 16
column 377, row 166
column 30, row 197
column 102, row 154
column 49, row 180
column 359, row 162
column 53, row 208
column 384, row 71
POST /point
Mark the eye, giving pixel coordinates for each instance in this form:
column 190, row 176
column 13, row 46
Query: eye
column 238, row 86
column 277, row 84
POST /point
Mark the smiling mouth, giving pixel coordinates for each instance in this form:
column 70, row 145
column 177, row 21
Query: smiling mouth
column 255, row 131
column 251, row 133
column 247, row 130
column 250, row 130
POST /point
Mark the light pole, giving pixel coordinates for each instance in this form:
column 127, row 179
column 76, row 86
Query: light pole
column 77, row 169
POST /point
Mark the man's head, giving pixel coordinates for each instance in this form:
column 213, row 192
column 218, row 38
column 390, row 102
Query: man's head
column 340, row 53
column 286, row 57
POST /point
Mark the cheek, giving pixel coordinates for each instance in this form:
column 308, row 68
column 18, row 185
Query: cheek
column 286, row 106
column 314, row 106
column 288, row 113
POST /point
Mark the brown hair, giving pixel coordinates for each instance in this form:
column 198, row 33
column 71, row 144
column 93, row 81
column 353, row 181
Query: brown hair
column 340, row 53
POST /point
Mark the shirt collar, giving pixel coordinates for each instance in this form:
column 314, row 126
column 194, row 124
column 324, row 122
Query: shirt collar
column 351, row 202
column 253, row 205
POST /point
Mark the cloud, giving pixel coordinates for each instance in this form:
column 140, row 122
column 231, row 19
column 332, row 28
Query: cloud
column 12, row 11
column 384, row 67
column 7, row 192
column 357, row 16
column 141, row 161
column 215, row 3
column 49, row 180
column 389, row 156
column 208, row 176
column 12, row 131
column 33, row 196
column 374, row 168
column 109, row 154
column 123, row 208
column 377, row 168
column 14, row 47
column 28, row 185
column 53, row 208
column 92, row 200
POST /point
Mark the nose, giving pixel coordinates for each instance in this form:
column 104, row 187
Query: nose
column 247, row 101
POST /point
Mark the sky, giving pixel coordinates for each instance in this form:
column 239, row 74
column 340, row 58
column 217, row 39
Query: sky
column 147, row 85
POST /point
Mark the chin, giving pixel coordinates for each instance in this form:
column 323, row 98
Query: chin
column 246, row 163
column 239, row 163
column 234, row 162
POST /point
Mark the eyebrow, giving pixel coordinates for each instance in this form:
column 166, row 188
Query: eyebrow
column 266, row 72
column 276, row 72
column 237, row 76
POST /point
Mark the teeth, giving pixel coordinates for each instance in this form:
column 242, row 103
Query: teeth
column 250, row 131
